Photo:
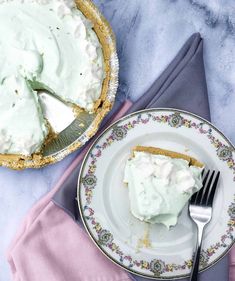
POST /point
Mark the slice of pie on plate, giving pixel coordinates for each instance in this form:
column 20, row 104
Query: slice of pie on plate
column 160, row 183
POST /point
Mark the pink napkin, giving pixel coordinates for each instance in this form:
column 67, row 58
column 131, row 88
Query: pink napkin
column 48, row 238
column 38, row 251
column 232, row 264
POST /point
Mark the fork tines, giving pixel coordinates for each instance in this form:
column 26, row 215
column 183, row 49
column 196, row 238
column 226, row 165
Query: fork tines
column 206, row 194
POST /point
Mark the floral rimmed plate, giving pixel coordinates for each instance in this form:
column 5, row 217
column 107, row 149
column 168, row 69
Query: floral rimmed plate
column 104, row 205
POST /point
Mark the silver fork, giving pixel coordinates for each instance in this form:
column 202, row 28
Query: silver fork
column 200, row 210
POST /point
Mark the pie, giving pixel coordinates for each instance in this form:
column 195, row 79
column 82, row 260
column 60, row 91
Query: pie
column 160, row 183
column 47, row 44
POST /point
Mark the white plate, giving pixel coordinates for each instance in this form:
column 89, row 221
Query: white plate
column 103, row 198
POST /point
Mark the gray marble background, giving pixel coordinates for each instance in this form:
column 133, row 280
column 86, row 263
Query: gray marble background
column 149, row 34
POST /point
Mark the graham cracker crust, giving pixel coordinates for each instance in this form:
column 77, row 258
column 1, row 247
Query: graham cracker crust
column 159, row 151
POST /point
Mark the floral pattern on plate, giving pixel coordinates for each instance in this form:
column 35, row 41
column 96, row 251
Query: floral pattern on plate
column 176, row 120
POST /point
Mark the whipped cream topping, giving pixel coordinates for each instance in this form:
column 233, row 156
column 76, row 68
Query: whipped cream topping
column 51, row 44
column 159, row 186
column 22, row 127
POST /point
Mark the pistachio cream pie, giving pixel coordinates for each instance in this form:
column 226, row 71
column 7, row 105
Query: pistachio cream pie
column 43, row 44
column 160, row 182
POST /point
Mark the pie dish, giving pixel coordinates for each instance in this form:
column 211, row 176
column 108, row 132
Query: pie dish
column 160, row 183
column 72, row 53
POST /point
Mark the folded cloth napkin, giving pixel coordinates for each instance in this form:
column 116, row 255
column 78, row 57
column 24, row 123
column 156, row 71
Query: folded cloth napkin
column 50, row 246
column 232, row 265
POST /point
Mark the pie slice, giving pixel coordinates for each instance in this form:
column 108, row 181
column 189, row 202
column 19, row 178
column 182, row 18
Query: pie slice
column 160, row 183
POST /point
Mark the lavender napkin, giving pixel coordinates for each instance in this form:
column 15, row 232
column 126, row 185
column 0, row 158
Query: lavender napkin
column 182, row 85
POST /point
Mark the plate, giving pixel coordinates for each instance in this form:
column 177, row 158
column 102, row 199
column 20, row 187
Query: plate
column 75, row 136
column 104, row 204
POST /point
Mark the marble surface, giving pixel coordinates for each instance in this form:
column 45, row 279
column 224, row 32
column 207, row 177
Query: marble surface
column 149, row 34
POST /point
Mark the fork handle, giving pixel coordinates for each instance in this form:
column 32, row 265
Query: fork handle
column 194, row 273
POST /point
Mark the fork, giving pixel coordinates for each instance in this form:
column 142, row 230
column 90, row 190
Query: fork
column 200, row 211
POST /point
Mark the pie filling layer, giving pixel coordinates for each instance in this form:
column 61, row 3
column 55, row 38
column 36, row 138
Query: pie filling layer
column 160, row 186
column 49, row 43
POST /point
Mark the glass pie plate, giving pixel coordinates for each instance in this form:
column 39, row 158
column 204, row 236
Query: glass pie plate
column 73, row 137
